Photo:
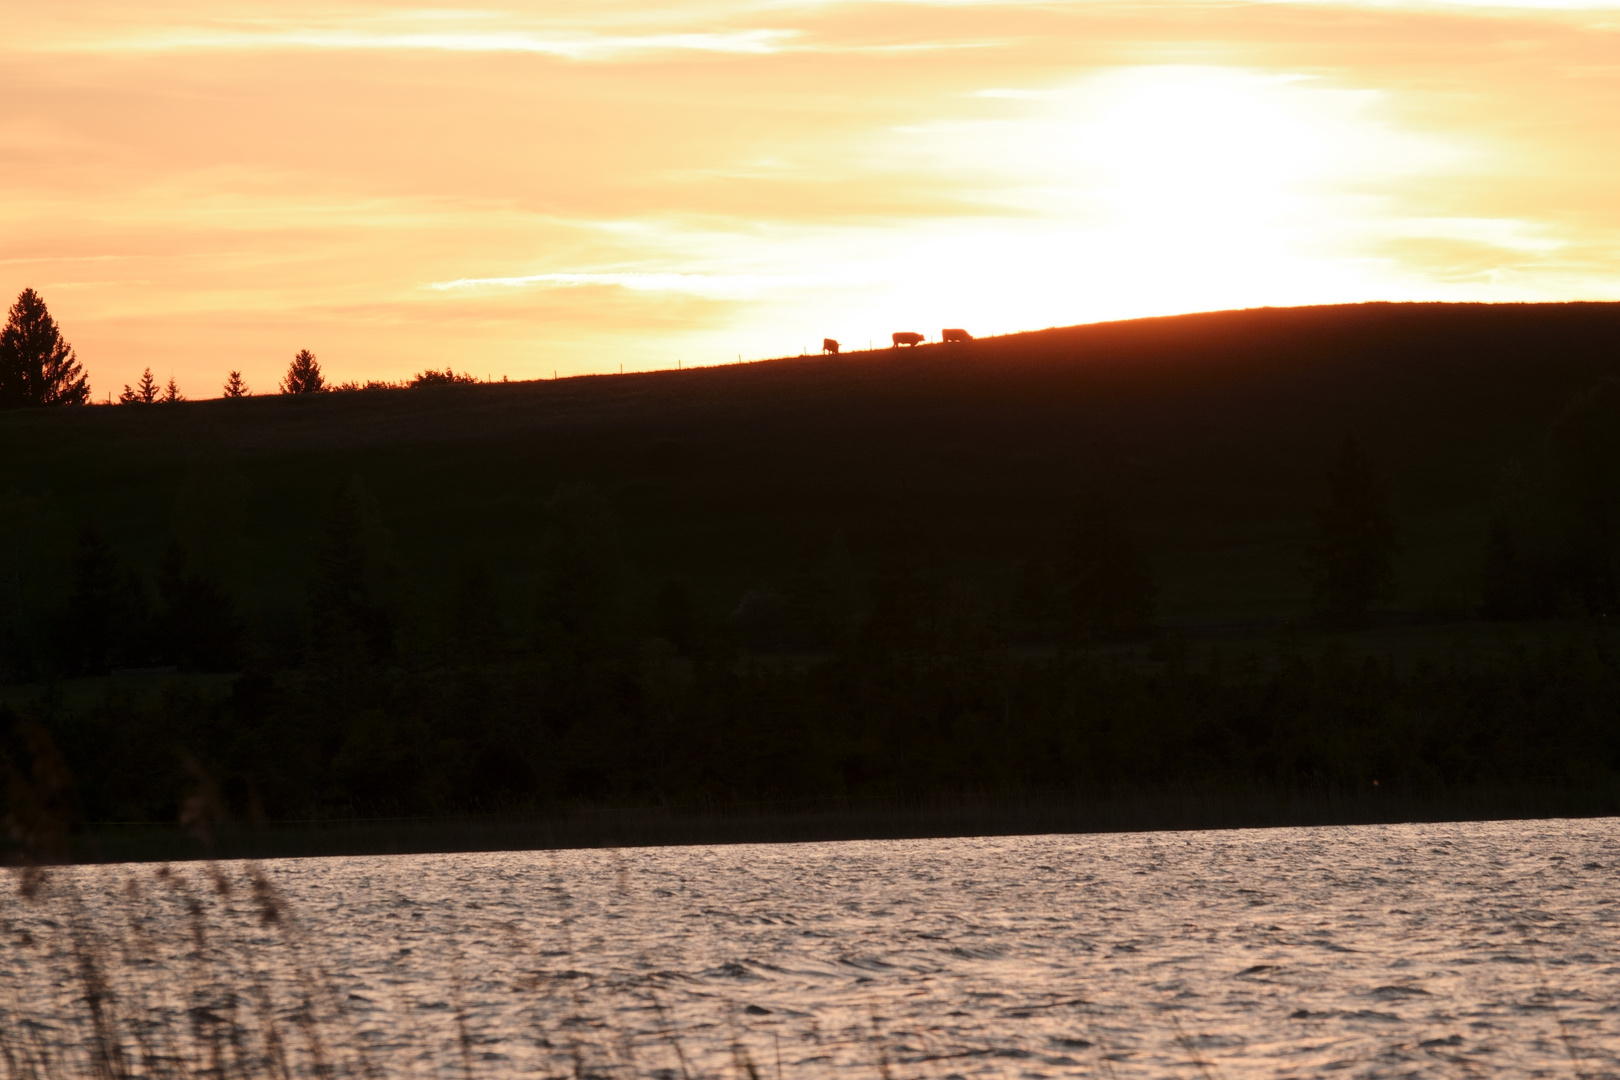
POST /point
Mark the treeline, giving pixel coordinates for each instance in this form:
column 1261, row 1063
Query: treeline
column 304, row 376
column 39, row 368
column 595, row 687
column 920, row 698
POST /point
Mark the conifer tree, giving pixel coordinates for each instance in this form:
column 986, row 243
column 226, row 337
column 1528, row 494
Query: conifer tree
column 36, row 366
column 234, row 386
column 171, row 393
column 1102, row 582
column 304, row 375
column 197, row 627
column 104, row 624
column 144, row 393
column 1350, row 560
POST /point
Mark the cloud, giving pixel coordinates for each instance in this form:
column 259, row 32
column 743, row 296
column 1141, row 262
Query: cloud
column 714, row 286
column 565, row 45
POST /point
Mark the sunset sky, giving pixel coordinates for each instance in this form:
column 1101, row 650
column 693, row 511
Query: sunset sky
column 571, row 185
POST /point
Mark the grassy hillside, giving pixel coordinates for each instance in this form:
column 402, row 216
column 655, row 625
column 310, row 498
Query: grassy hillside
column 801, row 579
column 1217, row 430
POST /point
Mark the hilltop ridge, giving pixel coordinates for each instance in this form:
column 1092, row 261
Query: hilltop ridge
column 1216, row 427
column 829, row 578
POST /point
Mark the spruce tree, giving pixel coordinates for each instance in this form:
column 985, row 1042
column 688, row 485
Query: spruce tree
column 304, row 375
column 104, row 624
column 234, row 386
column 196, row 627
column 171, row 393
column 36, row 366
column 1102, row 583
column 1350, row 560
column 144, row 393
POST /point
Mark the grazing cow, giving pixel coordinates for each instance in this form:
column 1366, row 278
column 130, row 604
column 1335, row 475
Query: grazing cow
column 828, row 345
column 955, row 335
column 905, row 337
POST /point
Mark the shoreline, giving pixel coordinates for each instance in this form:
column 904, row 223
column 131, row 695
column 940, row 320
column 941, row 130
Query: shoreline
column 823, row 821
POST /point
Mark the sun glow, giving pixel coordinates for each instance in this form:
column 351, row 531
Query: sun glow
column 571, row 186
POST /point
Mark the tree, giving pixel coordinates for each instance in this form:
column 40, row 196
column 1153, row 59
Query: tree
column 1104, row 586
column 581, row 579
column 352, row 596
column 196, row 626
column 910, row 595
column 1554, row 542
column 447, row 377
column 473, row 615
column 1350, row 559
column 171, row 393
column 104, row 625
column 36, row 366
column 234, row 386
column 304, row 375
column 145, row 392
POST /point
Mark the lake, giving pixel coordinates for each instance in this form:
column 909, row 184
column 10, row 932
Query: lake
column 1411, row 950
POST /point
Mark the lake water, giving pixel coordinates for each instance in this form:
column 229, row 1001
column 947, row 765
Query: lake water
column 1419, row 950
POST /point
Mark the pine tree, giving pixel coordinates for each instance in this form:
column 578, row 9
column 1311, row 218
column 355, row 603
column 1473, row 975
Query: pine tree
column 197, row 627
column 1103, row 584
column 36, row 366
column 304, row 375
column 234, row 386
column 104, row 624
column 352, row 606
column 1350, row 560
column 144, row 393
column 171, row 393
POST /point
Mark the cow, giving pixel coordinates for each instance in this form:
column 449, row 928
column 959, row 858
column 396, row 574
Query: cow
column 905, row 337
column 828, row 345
column 955, row 335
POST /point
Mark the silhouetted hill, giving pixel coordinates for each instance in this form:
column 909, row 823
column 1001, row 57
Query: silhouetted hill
column 919, row 574
column 1215, row 429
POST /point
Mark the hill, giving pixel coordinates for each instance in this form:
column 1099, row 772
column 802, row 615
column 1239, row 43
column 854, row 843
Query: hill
column 1216, row 431
column 809, row 578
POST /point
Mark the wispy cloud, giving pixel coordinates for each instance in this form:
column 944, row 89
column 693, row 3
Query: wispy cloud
column 567, row 45
column 714, row 286
column 1508, row 234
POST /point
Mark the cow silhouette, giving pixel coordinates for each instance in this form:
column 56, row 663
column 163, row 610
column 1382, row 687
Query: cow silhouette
column 906, row 337
column 828, row 345
column 955, row 335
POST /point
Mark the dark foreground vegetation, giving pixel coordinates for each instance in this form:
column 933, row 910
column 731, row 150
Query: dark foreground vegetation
column 1260, row 557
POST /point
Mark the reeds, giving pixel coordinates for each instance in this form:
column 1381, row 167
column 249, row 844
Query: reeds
column 161, row 975
column 205, row 972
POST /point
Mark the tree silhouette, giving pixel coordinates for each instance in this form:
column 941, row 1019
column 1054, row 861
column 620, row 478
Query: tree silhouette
column 1350, row 559
column 1103, row 586
column 582, row 575
column 36, row 366
column 234, row 386
column 447, row 377
column 910, row 595
column 351, row 606
column 171, row 393
column 145, row 392
column 1554, row 542
column 304, row 375
column 104, row 624
column 196, row 626
column 475, row 633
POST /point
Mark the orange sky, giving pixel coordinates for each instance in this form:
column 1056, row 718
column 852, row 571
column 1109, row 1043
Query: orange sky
column 575, row 184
